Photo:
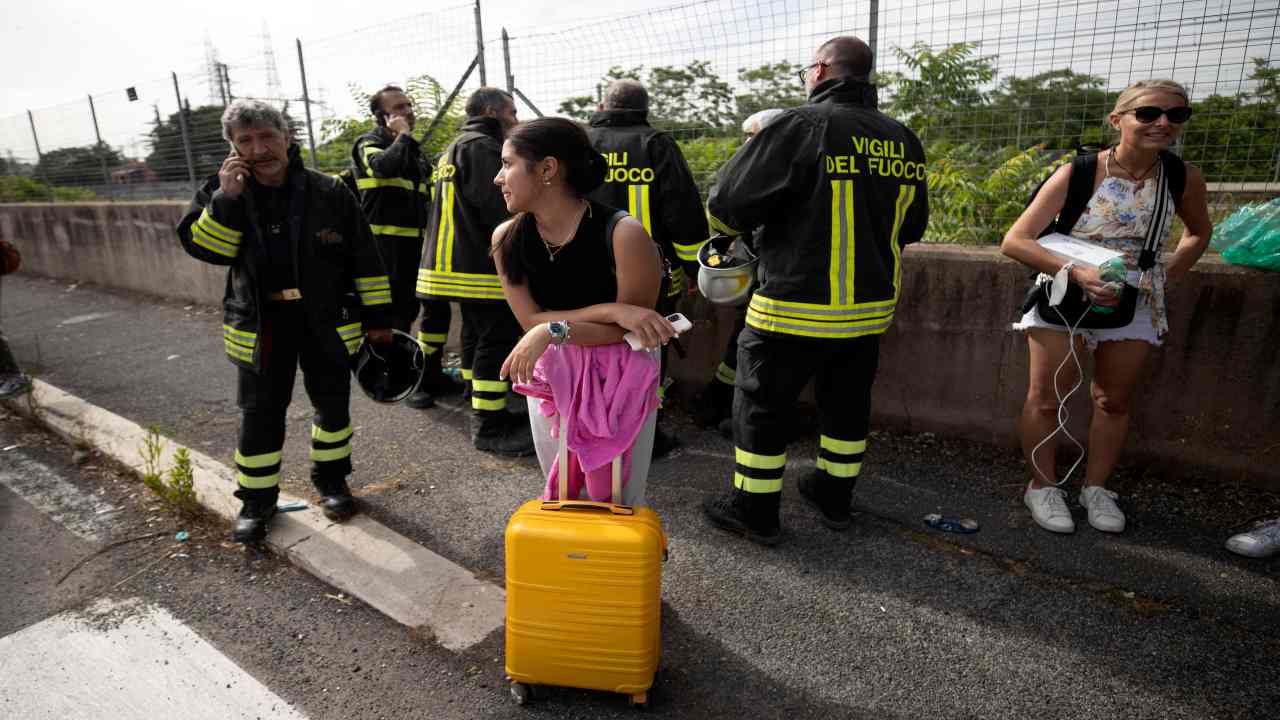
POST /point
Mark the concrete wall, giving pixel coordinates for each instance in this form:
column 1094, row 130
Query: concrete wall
column 1210, row 398
column 131, row 246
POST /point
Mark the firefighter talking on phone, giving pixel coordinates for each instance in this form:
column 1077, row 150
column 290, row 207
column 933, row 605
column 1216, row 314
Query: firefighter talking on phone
column 303, row 281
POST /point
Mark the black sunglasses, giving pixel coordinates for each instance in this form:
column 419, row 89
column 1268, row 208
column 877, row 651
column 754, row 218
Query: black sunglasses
column 1148, row 114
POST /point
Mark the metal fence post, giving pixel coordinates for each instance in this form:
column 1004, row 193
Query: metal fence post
column 186, row 135
column 39, row 155
column 106, row 177
column 306, row 103
column 484, row 79
column 874, row 31
column 506, row 60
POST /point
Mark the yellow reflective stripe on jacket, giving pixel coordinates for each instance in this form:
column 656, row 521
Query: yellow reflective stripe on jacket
column 726, row 374
column 638, row 205
column 906, row 196
column 367, row 155
column 822, row 313
column 843, row 243
column 209, row 242
column 350, row 331
column 719, row 226
column 455, row 284
column 446, row 231
column 467, row 374
column 688, row 253
column 432, row 338
column 830, row 331
column 217, row 229
column 678, row 279
column 242, row 337
column 374, row 290
column 237, row 352
column 397, row 230
column 370, row 183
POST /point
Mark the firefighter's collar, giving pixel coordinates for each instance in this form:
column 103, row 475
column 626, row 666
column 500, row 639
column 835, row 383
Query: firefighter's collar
column 853, row 92
column 619, row 118
column 490, row 126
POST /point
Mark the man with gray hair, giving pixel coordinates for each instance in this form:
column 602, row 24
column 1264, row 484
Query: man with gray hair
column 648, row 177
column 298, row 252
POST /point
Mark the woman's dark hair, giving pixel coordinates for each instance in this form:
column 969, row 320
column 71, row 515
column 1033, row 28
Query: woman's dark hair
column 583, row 168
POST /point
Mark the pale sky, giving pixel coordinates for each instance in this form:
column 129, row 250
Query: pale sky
column 55, row 52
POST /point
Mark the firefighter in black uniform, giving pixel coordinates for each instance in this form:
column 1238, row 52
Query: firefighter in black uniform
column 456, row 266
column 299, row 254
column 839, row 189
column 395, row 194
column 648, row 177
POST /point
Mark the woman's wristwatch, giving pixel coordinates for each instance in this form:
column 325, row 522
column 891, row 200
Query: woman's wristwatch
column 559, row 330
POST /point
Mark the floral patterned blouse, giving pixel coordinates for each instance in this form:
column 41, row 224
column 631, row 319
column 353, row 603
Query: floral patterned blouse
column 1117, row 217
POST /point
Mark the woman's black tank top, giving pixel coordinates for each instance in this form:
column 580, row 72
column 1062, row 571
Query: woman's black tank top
column 581, row 274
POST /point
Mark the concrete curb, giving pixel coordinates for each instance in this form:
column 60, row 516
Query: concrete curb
column 396, row 576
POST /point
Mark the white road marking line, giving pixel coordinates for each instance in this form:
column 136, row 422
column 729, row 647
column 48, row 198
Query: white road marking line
column 126, row 661
column 76, row 509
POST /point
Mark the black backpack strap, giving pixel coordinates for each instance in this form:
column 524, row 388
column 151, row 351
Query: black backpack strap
column 1158, row 228
column 1079, row 190
column 1176, row 171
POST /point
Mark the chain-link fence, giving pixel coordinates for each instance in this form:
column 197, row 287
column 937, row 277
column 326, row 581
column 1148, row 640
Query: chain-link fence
column 987, row 85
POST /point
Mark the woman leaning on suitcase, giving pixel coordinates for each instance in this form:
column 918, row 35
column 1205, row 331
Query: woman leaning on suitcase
column 1148, row 116
column 565, row 281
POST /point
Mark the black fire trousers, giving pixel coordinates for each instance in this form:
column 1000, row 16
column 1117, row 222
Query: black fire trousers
column 400, row 256
column 286, row 341
column 772, row 370
column 489, row 332
column 433, row 330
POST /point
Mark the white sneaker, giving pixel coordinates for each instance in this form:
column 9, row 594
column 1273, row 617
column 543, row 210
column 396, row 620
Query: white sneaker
column 1261, row 541
column 1049, row 509
column 1104, row 514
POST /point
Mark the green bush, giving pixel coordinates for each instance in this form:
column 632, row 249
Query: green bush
column 976, row 194
column 15, row 188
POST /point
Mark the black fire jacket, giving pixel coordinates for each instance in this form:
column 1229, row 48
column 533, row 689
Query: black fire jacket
column 839, row 189
column 648, row 176
column 468, row 207
column 393, row 192
column 333, row 255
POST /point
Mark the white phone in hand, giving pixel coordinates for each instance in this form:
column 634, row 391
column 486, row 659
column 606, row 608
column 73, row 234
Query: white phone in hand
column 677, row 320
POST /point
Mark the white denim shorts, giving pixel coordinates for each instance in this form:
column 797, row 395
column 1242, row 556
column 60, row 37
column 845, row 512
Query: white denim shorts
column 1140, row 328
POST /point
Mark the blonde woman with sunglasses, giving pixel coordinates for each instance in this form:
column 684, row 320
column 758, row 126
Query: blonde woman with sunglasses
column 1128, row 200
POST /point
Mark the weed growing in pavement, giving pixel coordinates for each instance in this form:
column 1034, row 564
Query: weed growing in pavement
column 176, row 488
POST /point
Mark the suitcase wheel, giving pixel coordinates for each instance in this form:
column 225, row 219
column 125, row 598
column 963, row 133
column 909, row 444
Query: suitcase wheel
column 640, row 701
column 521, row 693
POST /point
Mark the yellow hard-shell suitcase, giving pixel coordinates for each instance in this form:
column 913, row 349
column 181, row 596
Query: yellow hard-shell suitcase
column 584, row 594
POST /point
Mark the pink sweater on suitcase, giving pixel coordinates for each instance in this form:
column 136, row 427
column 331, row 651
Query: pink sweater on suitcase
column 606, row 393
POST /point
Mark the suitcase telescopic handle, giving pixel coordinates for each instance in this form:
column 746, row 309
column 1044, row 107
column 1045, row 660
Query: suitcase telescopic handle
column 562, row 477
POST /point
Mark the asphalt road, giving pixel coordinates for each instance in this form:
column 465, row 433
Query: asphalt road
column 887, row 620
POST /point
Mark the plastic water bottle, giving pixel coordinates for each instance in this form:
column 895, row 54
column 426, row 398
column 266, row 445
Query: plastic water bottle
column 1113, row 272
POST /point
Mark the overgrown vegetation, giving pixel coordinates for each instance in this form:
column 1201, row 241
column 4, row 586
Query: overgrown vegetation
column 176, row 487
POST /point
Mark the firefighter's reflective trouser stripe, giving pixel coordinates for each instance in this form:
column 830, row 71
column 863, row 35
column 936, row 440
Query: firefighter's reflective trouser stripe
column 772, row 370
column 400, row 255
column 287, row 341
column 489, row 332
column 727, row 371
column 433, row 330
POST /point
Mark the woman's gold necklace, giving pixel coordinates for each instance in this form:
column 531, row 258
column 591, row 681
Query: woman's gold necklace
column 553, row 249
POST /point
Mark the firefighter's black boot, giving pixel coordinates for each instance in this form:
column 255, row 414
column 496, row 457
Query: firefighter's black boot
column 335, row 498
column 830, row 496
column 753, row 515
column 501, row 433
column 258, row 507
